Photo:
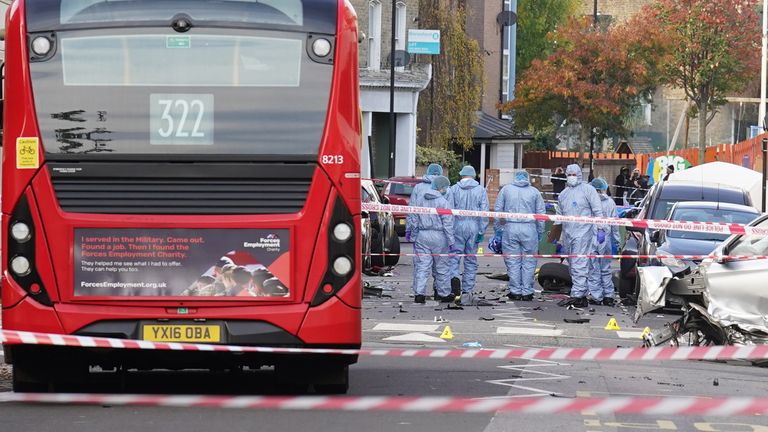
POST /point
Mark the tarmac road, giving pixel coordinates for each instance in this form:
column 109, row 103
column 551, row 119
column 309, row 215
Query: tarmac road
column 393, row 320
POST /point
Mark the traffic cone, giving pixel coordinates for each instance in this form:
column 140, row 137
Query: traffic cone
column 447, row 334
column 646, row 332
column 612, row 325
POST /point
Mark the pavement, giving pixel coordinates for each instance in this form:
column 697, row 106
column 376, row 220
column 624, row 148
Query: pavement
column 393, row 320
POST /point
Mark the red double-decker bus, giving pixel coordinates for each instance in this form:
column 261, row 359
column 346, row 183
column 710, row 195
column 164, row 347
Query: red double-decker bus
column 181, row 171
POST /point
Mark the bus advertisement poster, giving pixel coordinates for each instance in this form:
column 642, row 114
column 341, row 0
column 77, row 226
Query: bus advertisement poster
column 182, row 263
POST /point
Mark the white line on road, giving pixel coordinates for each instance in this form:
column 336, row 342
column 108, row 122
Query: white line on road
column 528, row 331
column 406, row 327
column 414, row 337
column 629, row 334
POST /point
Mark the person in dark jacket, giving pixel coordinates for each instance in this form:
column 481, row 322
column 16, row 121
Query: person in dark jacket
column 558, row 180
column 621, row 185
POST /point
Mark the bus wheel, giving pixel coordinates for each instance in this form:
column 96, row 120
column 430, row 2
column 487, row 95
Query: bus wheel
column 335, row 380
column 29, row 374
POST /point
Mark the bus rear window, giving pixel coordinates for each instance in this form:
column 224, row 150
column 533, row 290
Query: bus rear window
column 279, row 12
column 134, row 60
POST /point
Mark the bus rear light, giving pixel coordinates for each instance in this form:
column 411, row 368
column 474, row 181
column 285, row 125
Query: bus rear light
column 342, row 266
column 21, row 266
column 342, row 253
column 21, row 232
column 321, row 47
column 21, row 252
column 41, row 46
column 342, row 232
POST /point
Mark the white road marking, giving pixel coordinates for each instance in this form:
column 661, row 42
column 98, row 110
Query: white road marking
column 528, row 331
column 395, row 327
column 629, row 334
column 537, row 375
column 414, row 337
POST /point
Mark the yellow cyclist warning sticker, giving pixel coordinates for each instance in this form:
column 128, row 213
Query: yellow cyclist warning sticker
column 27, row 150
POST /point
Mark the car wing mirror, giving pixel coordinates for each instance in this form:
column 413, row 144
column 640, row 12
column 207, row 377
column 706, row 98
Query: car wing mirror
column 385, row 200
column 364, row 214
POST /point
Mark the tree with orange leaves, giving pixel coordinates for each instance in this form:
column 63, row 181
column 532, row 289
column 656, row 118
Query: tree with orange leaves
column 594, row 80
column 715, row 50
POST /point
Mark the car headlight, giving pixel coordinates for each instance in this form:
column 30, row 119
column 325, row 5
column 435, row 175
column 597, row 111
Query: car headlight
column 673, row 262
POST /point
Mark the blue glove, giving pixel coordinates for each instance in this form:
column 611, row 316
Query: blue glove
column 614, row 248
column 601, row 236
column 558, row 249
column 480, row 237
column 407, row 235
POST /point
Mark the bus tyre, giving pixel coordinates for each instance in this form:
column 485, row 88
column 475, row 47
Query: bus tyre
column 334, row 380
column 394, row 249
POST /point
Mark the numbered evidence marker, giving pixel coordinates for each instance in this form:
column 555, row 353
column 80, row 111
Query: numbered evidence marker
column 27, row 153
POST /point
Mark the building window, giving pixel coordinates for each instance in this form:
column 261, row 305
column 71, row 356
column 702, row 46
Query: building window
column 374, row 35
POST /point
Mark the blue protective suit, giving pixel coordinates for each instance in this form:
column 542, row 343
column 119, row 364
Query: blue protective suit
column 467, row 194
column 417, row 196
column 600, row 277
column 433, row 234
column 579, row 200
column 519, row 236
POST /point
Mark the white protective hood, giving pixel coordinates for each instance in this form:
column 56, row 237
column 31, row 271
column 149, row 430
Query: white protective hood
column 725, row 174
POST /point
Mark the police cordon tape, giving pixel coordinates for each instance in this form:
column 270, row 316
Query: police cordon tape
column 729, row 352
column 590, row 256
column 703, row 227
column 669, row 405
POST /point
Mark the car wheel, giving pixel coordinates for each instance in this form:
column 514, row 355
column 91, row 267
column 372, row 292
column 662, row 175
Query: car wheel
column 376, row 249
column 394, row 249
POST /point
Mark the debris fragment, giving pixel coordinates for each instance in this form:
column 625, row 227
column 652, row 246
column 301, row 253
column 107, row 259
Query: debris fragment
column 716, row 382
column 487, row 318
column 576, row 320
column 472, row 345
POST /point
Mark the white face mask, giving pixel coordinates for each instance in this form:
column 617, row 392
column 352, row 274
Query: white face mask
column 573, row 180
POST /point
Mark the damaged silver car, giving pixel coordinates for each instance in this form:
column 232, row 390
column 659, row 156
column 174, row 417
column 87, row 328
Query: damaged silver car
column 724, row 299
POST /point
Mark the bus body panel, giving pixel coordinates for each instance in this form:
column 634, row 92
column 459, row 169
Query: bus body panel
column 20, row 119
column 334, row 322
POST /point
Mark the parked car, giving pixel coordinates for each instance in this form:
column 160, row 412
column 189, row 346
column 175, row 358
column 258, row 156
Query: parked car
column 656, row 206
column 381, row 234
column 398, row 192
column 722, row 302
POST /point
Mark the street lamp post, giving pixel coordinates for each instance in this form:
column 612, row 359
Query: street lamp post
column 765, row 170
column 763, row 70
column 392, row 118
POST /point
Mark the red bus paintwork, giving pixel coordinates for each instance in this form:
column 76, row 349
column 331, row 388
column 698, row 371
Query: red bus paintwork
column 335, row 322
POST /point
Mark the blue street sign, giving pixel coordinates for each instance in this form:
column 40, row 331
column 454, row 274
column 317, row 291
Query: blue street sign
column 424, row 41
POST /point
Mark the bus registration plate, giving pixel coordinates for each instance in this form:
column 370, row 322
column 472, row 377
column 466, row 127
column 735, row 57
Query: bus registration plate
column 181, row 333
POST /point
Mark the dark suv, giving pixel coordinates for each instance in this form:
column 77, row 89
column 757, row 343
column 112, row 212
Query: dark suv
column 656, row 206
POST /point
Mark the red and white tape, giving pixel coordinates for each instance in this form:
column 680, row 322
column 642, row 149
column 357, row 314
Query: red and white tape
column 590, row 256
column 745, row 352
column 705, row 227
column 670, row 405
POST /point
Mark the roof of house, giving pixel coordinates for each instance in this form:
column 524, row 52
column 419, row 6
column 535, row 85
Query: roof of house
column 415, row 78
column 490, row 127
column 637, row 146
